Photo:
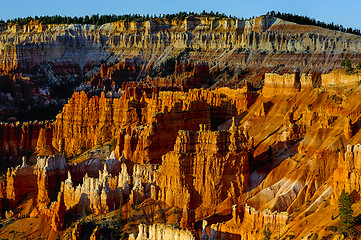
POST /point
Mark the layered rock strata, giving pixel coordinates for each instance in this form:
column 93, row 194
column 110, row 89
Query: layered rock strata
column 22, row 50
column 340, row 78
column 161, row 232
column 248, row 223
column 94, row 194
column 206, row 168
column 149, row 125
column 42, row 183
column 19, row 139
column 347, row 174
column 286, row 84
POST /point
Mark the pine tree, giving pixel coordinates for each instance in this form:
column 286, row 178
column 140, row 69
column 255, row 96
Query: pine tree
column 347, row 63
column 267, row 233
column 315, row 236
column 120, row 221
column 345, row 209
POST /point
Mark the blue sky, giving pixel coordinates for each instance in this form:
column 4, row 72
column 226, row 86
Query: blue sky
column 346, row 12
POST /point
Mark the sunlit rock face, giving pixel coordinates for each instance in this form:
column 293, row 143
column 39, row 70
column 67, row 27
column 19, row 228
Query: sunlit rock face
column 155, row 142
column 206, row 167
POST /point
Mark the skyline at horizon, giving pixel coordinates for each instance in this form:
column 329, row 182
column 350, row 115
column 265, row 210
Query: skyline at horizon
column 325, row 11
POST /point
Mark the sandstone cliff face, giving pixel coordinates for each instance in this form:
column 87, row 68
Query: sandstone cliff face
column 247, row 223
column 347, row 174
column 149, row 125
column 49, row 171
column 198, row 151
column 54, row 198
column 62, row 54
column 18, row 139
column 276, row 221
column 20, row 182
column 144, row 183
column 94, row 194
column 23, row 50
column 340, row 78
column 162, row 232
column 112, row 77
column 292, row 140
column 40, row 183
column 41, row 46
column 191, row 170
column 186, row 76
column 286, row 84
column 57, row 213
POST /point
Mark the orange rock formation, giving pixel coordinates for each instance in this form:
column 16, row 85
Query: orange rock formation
column 190, row 170
column 238, row 159
column 86, row 122
column 18, row 139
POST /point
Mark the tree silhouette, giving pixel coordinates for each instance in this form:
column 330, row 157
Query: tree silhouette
column 120, row 221
column 315, row 236
column 345, row 209
column 97, row 19
column 311, row 21
column 347, row 63
column 267, row 233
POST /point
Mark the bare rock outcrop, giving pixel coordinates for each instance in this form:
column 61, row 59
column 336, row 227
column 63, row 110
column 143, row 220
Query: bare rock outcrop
column 190, row 169
column 57, row 213
column 162, row 232
column 148, row 124
column 248, row 223
column 21, row 182
column 275, row 85
column 94, row 194
column 18, row 139
column 347, row 174
column 340, row 78
column 40, row 183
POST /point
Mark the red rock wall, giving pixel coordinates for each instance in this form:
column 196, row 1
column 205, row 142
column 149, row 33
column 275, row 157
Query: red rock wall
column 347, row 174
column 286, row 84
column 86, row 122
column 205, row 168
column 21, row 183
column 18, row 139
column 339, row 78
column 249, row 223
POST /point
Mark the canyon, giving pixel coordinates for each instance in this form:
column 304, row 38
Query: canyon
column 202, row 128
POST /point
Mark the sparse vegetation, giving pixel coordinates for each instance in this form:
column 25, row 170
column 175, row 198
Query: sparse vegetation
column 120, row 221
column 97, row 19
column 311, row 21
column 332, row 228
column 86, row 211
column 267, row 233
column 239, row 50
column 347, row 63
column 87, row 228
column 358, row 66
column 168, row 66
column 345, row 209
column 315, row 236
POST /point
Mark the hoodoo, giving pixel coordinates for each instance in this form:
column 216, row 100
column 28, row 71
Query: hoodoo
column 187, row 126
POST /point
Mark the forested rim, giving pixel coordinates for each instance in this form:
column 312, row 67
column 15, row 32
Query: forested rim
column 311, row 21
column 97, row 19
